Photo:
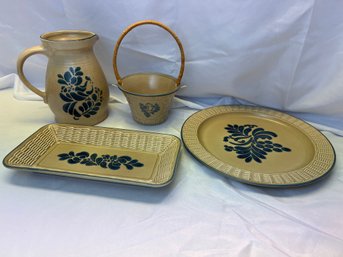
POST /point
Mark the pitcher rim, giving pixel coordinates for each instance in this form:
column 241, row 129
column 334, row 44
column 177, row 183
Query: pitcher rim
column 44, row 36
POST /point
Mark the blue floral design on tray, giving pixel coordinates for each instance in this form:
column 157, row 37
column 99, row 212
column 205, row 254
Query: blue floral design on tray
column 149, row 109
column 105, row 161
column 251, row 142
column 81, row 96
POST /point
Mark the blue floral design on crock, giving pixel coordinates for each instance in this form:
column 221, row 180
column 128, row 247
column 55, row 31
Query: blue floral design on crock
column 105, row 161
column 251, row 142
column 149, row 109
column 81, row 97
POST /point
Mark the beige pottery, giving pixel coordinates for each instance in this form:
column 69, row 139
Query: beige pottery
column 75, row 85
column 150, row 95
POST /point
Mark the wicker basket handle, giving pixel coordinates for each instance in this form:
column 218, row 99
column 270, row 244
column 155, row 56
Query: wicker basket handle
column 132, row 26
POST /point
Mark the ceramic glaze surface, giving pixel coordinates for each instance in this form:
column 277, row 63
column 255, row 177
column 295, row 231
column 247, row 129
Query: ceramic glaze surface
column 115, row 155
column 81, row 96
column 248, row 149
column 258, row 146
column 75, row 85
column 149, row 94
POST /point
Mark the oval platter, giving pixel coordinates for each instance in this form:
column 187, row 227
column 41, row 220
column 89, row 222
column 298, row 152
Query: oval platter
column 258, row 146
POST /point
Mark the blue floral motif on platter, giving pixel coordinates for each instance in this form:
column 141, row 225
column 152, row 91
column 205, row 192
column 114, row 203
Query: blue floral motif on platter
column 105, row 161
column 251, row 142
column 149, row 109
column 81, row 97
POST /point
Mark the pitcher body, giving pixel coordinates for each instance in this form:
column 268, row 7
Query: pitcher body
column 75, row 85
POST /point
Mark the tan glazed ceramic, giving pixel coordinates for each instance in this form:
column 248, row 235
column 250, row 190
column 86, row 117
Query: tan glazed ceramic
column 258, row 146
column 107, row 154
column 150, row 95
column 75, row 86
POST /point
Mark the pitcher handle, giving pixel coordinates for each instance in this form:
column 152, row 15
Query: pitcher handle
column 128, row 29
column 20, row 64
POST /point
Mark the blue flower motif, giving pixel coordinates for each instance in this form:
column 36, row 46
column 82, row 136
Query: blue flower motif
column 105, row 161
column 149, row 109
column 251, row 143
column 82, row 99
column 71, row 77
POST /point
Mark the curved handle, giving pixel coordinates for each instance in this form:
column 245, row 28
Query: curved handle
column 128, row 29
column 20, row 64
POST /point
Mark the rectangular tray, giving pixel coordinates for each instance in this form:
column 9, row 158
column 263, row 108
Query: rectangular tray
column 108, row 154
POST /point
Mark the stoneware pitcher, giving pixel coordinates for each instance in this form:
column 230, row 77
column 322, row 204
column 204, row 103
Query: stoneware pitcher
column 75, row 85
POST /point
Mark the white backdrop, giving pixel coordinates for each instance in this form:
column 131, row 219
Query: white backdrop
column 282, row 54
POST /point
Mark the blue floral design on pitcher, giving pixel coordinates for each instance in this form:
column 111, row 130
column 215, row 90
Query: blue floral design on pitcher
column 81, row 96
column 251, row 142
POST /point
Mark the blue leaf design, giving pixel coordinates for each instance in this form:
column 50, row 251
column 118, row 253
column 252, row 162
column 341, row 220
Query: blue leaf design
column 93, row 157
column 71, row 108
column 74, row 160
column 82, row 154
column 257, row 130
column 76, row 114
column 256, row 159
column 80, row 102
column 62, row 81
column 128, row 166
column 99, row 160
column 149, row 109
column 65, row 98
column 63, row 157
column 248, row 159
column 78, row 80
column 67, row 76
column 77, row 97
column 105, row 161
column 80, row 90
column 137, row 164
column 251, row 142
column 73, row 80
column 243, row 156
column 66, row 107
column 114, row 166
column 103, row 165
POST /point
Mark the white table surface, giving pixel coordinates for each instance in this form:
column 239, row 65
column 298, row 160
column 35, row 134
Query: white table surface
column 202, row 213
